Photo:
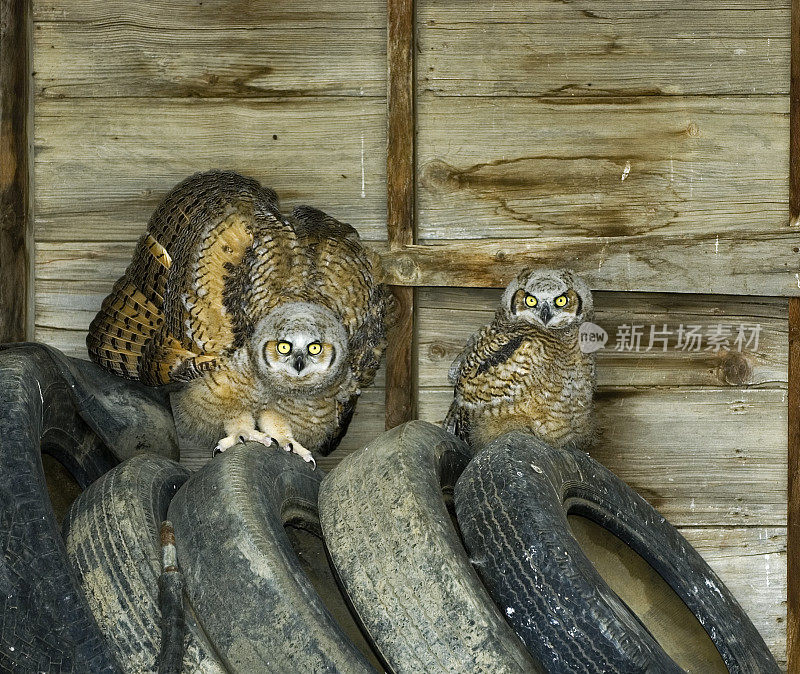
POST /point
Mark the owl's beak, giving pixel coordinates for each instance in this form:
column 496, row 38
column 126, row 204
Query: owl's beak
column 545, row 313
column 298, row 363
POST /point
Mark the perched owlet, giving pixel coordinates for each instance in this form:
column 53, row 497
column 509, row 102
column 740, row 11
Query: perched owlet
column 525, row 370
column 267, row 326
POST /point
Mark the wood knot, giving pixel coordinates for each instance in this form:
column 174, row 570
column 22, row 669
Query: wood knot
column 735, row 369
column 693, row 130
column 436, row 352
column 405, row 269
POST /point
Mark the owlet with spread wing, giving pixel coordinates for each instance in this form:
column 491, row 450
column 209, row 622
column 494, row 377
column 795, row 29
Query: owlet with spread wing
column 525, row 370
column 267, row 327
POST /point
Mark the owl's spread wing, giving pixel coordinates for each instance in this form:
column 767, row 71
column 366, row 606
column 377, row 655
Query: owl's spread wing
column 494, row 367
column 173, row 312
column 343, row 277
column 454, row 373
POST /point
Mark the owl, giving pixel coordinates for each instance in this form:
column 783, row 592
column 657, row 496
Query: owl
column 525, row 370
column 264, row 327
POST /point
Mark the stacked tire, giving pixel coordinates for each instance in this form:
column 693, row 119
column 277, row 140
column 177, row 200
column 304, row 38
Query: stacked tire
column 446, row 562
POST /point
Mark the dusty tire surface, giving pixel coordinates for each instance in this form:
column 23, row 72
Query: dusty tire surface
column 512, row 504
column 46, row 623
column 399, row 557
column 112, row 539
column 243, row 577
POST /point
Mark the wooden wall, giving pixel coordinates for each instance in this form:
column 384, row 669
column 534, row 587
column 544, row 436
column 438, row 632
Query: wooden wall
column 645, row 144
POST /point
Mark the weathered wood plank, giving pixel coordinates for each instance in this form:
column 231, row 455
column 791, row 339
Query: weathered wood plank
column 16, row 222
column 447, row 317
column 102, row 165
column 72, row 283
column 793, row 454
column 701, row 456
column 400, row 394
column 210, row 14
column 596, row 48
column 90, row 59
column 739, row 480
column 758, row 264
column 581, row 170
column 513, row 11
column 793, row 458
column 401, row 364
column 602, row 184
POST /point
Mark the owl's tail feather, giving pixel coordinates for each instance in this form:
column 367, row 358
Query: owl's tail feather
column 121, row 337
column 119, row 333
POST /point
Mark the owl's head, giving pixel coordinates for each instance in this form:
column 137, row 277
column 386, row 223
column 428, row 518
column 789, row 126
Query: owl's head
column 300, row 348
column 554, row 299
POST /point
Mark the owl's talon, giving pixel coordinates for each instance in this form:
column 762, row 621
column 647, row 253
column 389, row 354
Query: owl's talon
column 304, row 454
column 225, row 443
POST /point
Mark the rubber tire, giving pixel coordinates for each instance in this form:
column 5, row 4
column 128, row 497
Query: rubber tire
column 512, row 504
column 127, row 416
column 243, row 578
column 112, row 540
column 46, row 623
column 401, row 562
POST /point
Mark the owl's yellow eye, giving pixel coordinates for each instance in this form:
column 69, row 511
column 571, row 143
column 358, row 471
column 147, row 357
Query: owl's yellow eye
column 284, row 348
column 561, row 301
column 315, row 348
column 530, row 300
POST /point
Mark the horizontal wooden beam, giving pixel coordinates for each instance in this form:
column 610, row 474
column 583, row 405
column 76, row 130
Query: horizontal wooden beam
column 680, row 264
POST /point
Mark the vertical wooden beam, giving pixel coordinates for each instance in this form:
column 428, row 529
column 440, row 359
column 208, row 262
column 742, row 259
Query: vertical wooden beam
column 16, row 128
column 793, row 496
column 793, row 510
column 400, row 376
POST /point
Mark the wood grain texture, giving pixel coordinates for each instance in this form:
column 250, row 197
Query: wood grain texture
column 706, row 456
column 656, row 439
column 74, row 280
column 191, row 15
column 748, row 265
column 401, row 387
column 794, row 136
column 591, row 169
column 102, row 165
column 633, row 192
column 16, row 225
column 400, row 148
column 793, row 495
column 793, row 457
column 88, row 59
column 400, row 184
column 596, row 48
column 447, row 318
